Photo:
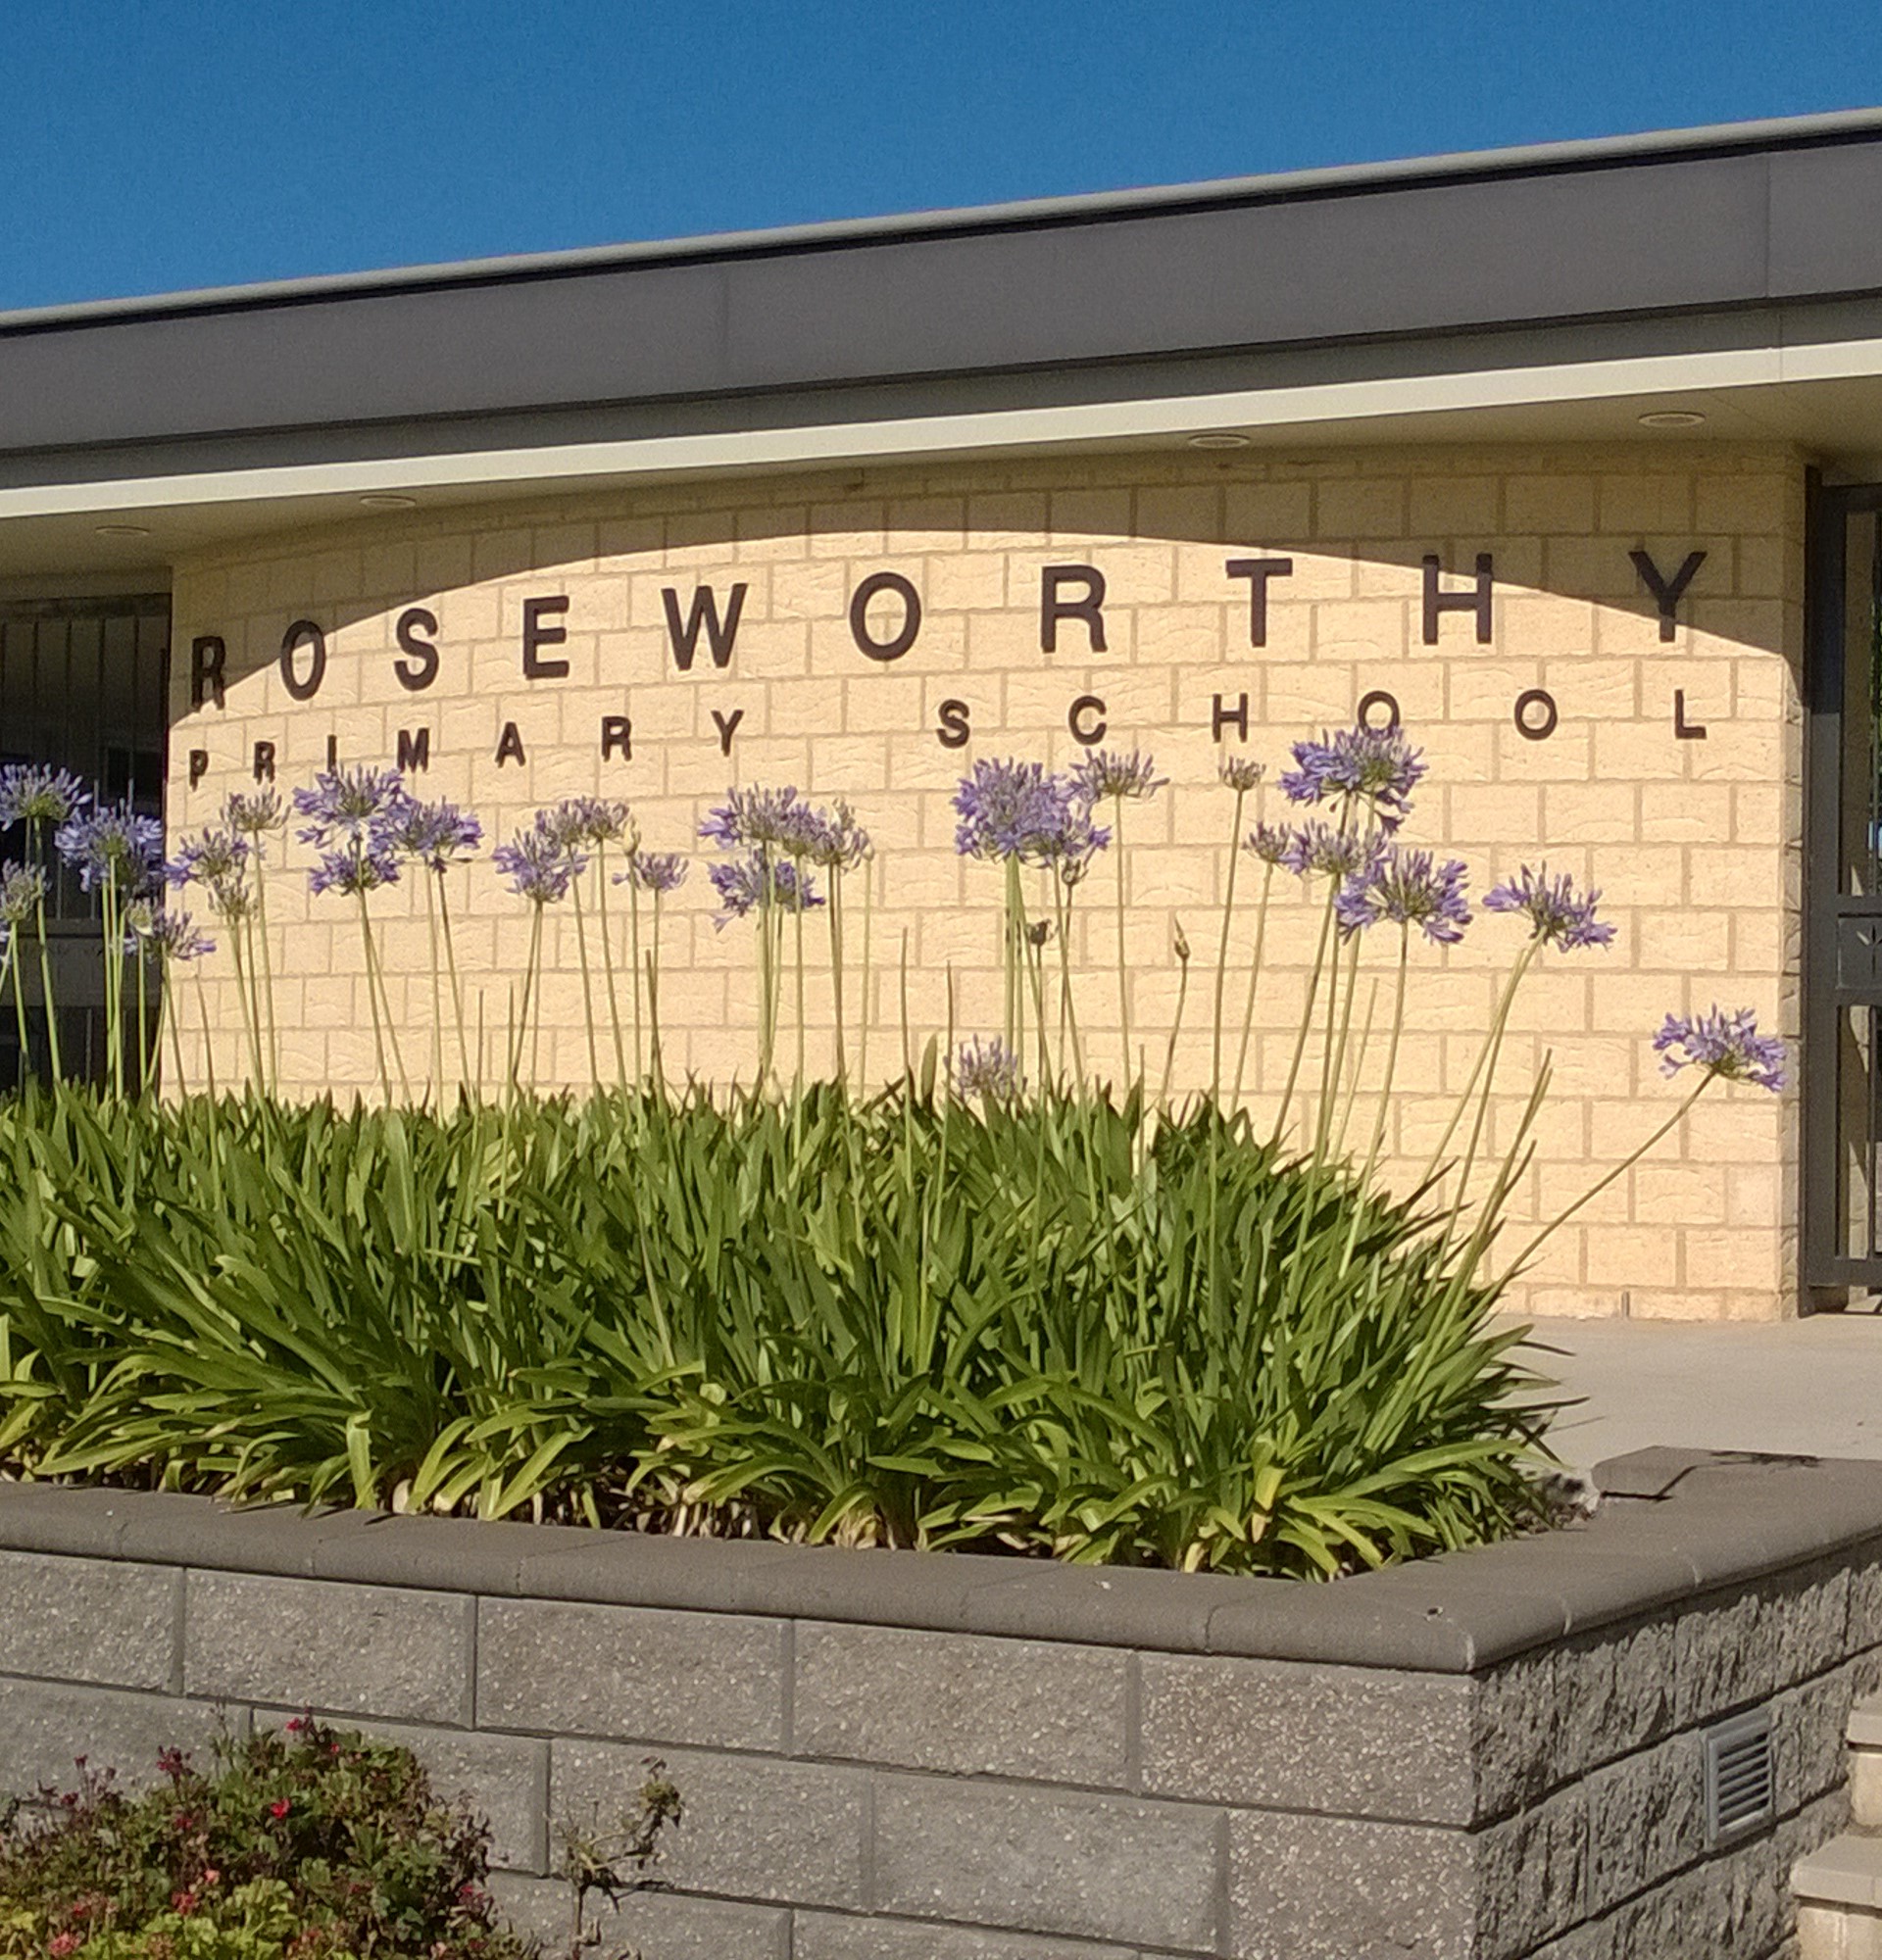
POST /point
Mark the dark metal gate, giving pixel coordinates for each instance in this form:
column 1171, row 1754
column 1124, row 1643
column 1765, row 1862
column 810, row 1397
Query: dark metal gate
column 82, row 687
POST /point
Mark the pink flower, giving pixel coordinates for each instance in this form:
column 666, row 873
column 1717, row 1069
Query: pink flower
column 62, row 1944
column 279, row 1808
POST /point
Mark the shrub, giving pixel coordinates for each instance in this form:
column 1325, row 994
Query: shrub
column 308, row 1844
column 1056, row 1327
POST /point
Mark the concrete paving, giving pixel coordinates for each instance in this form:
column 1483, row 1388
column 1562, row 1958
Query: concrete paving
column 1792, row 1387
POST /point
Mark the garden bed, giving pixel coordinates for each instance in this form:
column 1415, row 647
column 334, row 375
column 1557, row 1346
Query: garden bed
column 1497, row 1752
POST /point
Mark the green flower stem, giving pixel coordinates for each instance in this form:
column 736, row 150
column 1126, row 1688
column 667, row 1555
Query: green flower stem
column 1486, row 1059
column 516, row 1033
column 167, row 1017
column 457, row 987
column 1391, row 1053
column 209, row 1039
column 652, row 1003
column 270, row 1028
column 797, row 936
column 587, row 983
column 246, row 998
column 633, row 953
column 1222, row 957
column 1620, row 1169
column 1254, row 981
column 16, row 965
column 46, row 1002
column 607, row 972
column 1123, row 978
column 1306, row 1012
column 1182, row 996
column 371, row 996
column 836, row 971
column 1068, row 1007
column 867, row 1003
column 437, row 986
column 143, row 1023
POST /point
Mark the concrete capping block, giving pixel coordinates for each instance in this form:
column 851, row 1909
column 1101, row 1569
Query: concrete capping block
column 1847, row 1871
column 1706, row 1522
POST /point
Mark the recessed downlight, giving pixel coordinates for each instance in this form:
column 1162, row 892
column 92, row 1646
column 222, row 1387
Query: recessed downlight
column 119, row 532
column 1672, row 419
column 1219, row 439
column 389, row 500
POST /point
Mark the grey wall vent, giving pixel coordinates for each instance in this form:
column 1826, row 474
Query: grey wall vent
column 1740, row 1780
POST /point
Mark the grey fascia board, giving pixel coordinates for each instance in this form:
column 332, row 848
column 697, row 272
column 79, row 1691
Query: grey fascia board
column 1721, row 1524
column 1273, row 186
column 1685, row 231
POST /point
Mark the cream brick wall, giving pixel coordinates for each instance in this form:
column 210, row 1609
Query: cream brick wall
column 1694, row 843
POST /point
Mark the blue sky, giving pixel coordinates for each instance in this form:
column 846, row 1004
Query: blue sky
column 148, row 147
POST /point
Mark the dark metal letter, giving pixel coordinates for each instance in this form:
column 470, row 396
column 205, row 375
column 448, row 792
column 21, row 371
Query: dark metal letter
column 1477, row 601
column 207, row 655
column 727, row 728
column 951, row 728
column 510, row 745
column 535, row 635
column 1089, row 609
column 704, row 612
column 1220, row 716
column 421, row 669
column 1667, row 592
column 617, row 736
column 1087, row 705
column 1257, row 572
column 415, row 749
column 303, row 633
column 899, row 642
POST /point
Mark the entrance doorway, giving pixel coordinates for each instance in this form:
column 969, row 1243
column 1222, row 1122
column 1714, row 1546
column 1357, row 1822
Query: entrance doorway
column 83, row 686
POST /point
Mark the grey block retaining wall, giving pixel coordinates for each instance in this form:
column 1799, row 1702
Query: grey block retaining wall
column 1491, row 1756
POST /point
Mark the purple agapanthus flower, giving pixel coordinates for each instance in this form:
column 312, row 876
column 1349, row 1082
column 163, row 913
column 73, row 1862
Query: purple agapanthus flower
column 1726, row 1046
column 1558, row 915
column 111, row 842
column 36, row 792
column 213, row 855
column 1109, row 772
column 349, row 804
column 363, row 868
column 437, row 835
column 590, row 821
column 1407, row 888
column 986, row 1069
column 22, row 890
column 750, row 884
column 1319, row 849
column 1010, row 810
column 1374, row 767
column 254, row 812
column 656, row 871
column 1067, row 850
column 153, row 930
column 1241, row 773
column 756, row 819
column 1271, row 843
column 841, row 843
column 539, row 865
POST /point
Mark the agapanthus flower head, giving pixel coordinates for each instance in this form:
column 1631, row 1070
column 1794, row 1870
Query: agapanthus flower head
column 539, row 865
column 1407, row 888
column 1109, row 772
column 755, row 884
column 1009, row 808
column 437, row 834
column 363, row 868
column 232, row 898
column 986, row 1069
column 1322, row 851
column 590, row 821
column 1376, row 767
column 23, row 891
column 254, row 812
column 842, row 843
column 756, row 819
column 36, row 792
column 153, row 930
column 346, row 805
column 1271, row 843
column 1241, row 773
column 205, row 859
column 1068, row 849
column 1726, row 1046
column 657, row 871
column 1558, row 915
column 110, row 841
